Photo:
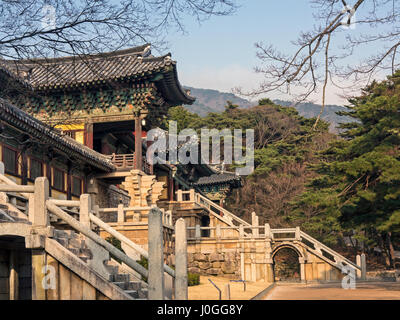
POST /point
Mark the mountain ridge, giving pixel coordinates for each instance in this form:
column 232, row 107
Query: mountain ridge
column 211, row 100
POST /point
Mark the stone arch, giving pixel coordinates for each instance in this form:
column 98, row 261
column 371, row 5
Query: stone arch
column 16, row 282
column 288, row 245
column 15, row 229
column 287, row 267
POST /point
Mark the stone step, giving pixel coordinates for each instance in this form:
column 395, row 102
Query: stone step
column 112, row 270
column 120, row 277
column 131, row 285
column 133, row 293
column 143, row 293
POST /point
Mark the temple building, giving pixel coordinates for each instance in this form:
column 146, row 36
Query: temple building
column 108, row 102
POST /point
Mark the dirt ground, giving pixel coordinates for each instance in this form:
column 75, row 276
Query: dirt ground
column 206, row 291
column 363, row 291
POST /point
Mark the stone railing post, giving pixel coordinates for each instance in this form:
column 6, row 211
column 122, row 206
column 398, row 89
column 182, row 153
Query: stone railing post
column 179, row 196
column 85, row 208
column 2, row 171
column 121, row 213
column 156, row 255
column 181, row 261
column 267, row 231
column 39, row 216
column 197, row 233
column 358, row 263
column 218, row 230
column 363, row 267
column 191, row 195
column 241, row 231
column 254, row 223
column 297, row 234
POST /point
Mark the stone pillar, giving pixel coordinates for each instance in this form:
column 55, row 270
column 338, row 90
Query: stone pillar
column 302, row 270
column 358, row 263
column 181, row 261
column 254, row 223
column 270, row 273
column 267, row 231
column 121, row 213
column 39, row 216
column 156, row 255
column 297, row 235
column 363, row 267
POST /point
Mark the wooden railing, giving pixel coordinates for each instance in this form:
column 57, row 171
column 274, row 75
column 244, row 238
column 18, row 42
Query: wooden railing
column 127, row 161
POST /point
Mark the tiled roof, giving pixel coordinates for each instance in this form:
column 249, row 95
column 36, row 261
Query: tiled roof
column 26, row 123
column 219, row 178
column 88, row 70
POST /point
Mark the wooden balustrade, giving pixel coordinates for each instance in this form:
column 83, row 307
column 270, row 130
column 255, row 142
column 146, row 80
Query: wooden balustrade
column 127, row 162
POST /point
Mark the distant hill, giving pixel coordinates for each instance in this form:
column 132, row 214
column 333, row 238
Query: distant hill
column 208, row 100
column 310, row 110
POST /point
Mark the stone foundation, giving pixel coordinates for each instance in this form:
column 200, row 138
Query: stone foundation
column 215, row 264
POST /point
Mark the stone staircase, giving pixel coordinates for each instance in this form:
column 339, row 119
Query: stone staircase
column 119, row 275
column 75, row 243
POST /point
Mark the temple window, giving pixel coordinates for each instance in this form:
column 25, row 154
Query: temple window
column 10, row 161
column 36, row 169
column 58, row 180
column 76, row 189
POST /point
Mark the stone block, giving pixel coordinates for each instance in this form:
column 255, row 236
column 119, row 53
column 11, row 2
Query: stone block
column 200, row 257
column 204, row 265
column 214, row 271
column 216, row 264
column 228, row 267
column 216, row 257
column 194, row 270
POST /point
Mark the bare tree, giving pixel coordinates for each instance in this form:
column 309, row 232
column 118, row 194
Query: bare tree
column 345, row 28
column 51, row 28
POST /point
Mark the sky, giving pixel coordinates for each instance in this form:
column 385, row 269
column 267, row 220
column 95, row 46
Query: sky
column 220, row 53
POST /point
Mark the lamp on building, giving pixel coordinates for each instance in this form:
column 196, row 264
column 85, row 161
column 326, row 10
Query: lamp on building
column 143, row 122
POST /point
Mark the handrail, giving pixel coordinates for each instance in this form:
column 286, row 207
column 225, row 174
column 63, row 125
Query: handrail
column 96, row 238
column 125, row 240
column 219, row 208
column 219, row 290
column 327, row 249
column 8, row 181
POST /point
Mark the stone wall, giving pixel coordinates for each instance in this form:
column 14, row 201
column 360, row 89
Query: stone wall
column 215, row 264
column 109, row 196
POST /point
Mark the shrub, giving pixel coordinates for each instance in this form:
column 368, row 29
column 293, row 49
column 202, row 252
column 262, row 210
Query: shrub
column 193, row 279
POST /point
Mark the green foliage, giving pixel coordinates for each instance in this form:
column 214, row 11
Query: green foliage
column 116, row 243
column 358, row 183
column 193, row 279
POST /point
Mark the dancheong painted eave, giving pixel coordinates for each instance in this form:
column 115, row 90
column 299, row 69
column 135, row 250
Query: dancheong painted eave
column 73, row 72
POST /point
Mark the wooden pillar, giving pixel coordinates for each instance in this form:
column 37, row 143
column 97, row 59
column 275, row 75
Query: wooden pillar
column 89, row 135
column 138, row 143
